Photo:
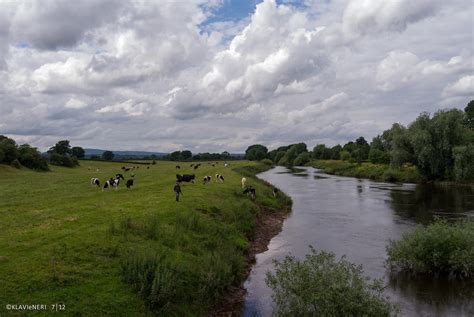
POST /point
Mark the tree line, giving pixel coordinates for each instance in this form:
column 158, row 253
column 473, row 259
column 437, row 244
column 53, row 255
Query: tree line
column 61, row 154
column 441, row 147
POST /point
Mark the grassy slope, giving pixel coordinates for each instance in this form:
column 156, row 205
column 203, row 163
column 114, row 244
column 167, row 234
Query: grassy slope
column 380, row 172
column 56, row 246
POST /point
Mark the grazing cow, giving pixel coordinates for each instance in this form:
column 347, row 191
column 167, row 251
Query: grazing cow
column 112, row 182
column 226, row 164
column 148, row 167
column 243, row 181
column 219, row 178
column 119, row 176
column 250, row 191
column 125, row 169
column 178, row 167
column 213, row 165
column 191, row 165
column 275, row 192
column 185, row 178
column 95, row 181
column 207, row 179
column 129, row 183
column 196, row 167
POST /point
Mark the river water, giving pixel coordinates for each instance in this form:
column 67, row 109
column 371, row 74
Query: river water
column 356, row 218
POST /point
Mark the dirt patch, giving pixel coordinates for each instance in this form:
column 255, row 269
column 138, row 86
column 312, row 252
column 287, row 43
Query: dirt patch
column 267, row 225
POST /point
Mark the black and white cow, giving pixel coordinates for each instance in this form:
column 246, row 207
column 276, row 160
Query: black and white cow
column 219, row 178
column 119, row 176
column 250, row 191
column 207, row 179
column 112, row 182
column 95, row 181
column 185, row 178
column 129, row 183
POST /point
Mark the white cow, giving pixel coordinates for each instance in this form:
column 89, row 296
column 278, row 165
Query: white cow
column 244, row 180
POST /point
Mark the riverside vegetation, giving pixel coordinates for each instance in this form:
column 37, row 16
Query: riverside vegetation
column 431, row 148
column 126, row 252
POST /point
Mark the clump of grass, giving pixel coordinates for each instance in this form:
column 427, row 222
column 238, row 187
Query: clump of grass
column 440, row 248
column 320, row 285
column 152, row 277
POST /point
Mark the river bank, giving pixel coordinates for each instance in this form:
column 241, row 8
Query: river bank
column 378, row 172
column 268, row 224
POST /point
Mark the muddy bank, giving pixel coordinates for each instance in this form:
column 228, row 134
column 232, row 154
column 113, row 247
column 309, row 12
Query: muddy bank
column 268, row 224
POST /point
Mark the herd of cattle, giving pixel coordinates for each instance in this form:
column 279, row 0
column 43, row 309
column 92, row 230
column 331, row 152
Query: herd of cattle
column 114, row 182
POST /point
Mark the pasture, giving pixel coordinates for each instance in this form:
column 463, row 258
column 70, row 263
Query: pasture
column 64, row 241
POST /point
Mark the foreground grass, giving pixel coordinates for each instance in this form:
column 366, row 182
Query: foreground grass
column 379, row 172
column 440, row 248
column 127, row 252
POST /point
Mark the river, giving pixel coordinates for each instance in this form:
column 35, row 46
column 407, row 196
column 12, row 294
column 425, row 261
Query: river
column 356, row 218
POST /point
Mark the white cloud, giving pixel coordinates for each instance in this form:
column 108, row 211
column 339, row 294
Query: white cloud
column 323, row 72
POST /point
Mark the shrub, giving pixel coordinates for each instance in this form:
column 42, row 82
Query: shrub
column 321, row 286
column 62, row 160
column 15, row 163
column 267, row 162
column 437, row 249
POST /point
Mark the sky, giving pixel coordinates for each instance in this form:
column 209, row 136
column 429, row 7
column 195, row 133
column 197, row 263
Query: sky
column 220, row 75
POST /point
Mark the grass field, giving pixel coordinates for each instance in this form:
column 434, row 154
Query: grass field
column 127, row 252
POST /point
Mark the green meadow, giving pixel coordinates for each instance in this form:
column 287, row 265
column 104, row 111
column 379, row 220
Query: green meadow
column 130, row 252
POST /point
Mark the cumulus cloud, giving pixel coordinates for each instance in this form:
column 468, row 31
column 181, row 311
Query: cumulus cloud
column 315, row 72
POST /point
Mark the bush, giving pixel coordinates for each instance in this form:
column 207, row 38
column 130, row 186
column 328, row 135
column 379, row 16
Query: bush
column 321, row 286
column 15, row 163
column 61, row 160
column 437, row 249
column 30, row 157
column 267, row 162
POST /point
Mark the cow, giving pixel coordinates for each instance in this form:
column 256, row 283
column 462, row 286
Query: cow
column 112, row 182
column 178, row 167
column 129, row 183
column 191, row 165
column 196, row 167
column 250, row 191
column 185, row 178
column 219, row 178
column 207, row 179
column 243, row 181
column 275, row 192
column 226, row 164
column 119, row 176
column 95, row 181
column 148, row 167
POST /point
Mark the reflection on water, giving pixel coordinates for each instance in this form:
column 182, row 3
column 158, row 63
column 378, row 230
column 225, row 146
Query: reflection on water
column 356, row 218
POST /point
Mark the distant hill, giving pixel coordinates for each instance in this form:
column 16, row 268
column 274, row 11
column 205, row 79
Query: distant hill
column 136, row 154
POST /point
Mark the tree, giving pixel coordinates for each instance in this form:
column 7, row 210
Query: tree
column 377, row 156
column 344, row 155
column 225, row 155
column 30, row 157
column 61, row 148
column 321, row 152
column 464, row 162
column 78, row 152
column 256, row 152
column 433, row 140
column 335, row 152
column 301, row 159
column 108, row 155
column 9, row 148
column 469, row 110
column 186, row 155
